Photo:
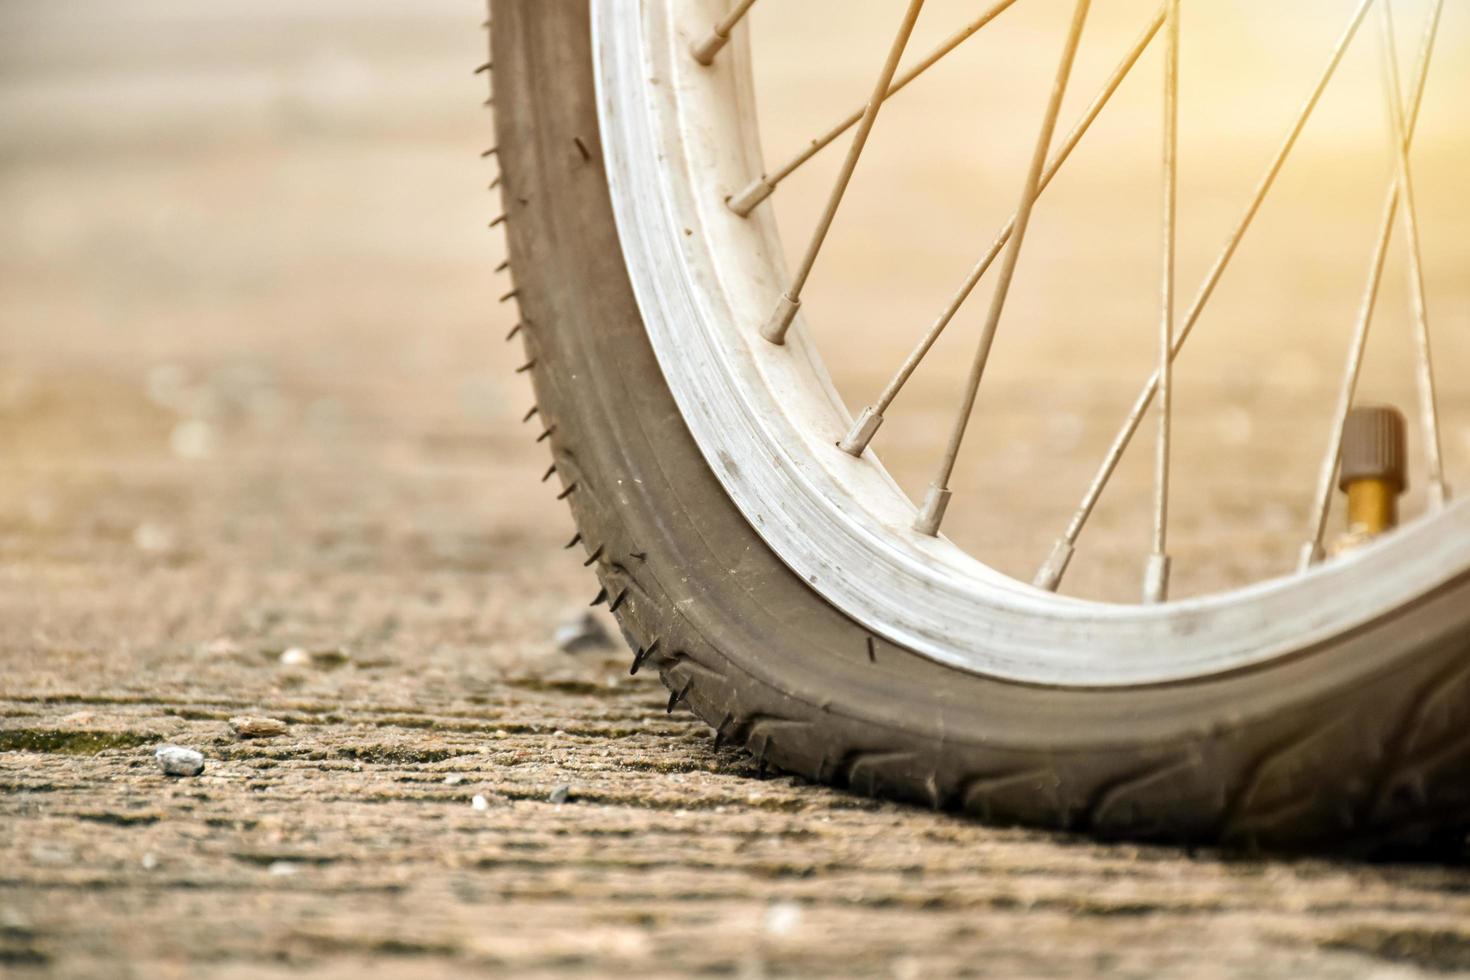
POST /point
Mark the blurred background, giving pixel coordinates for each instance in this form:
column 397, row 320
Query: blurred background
column 248, row 329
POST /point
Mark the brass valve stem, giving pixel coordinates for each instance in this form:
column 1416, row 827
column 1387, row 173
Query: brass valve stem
column 1373, row 473
column 1372, row 507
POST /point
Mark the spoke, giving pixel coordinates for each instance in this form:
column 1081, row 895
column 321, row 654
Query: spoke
column 758, row 190
column 1327, row 476
column 931, row 514
column 780, row 321
column 704, row 52
column 1156, row 575
column 871, row 418
column 1050, row 574
column 1428, row 403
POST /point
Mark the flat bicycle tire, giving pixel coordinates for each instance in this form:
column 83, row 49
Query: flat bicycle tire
column 1362, row 742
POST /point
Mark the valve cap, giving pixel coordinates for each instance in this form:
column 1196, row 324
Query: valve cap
column 1374, row 447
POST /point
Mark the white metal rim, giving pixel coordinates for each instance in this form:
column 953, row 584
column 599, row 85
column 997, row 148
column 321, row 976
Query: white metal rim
column 678, row 138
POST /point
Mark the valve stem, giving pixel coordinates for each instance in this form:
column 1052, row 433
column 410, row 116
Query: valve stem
column 1373, row 473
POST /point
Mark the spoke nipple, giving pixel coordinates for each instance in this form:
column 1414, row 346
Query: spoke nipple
column 862, row 432
column 780, row 322
column 931, row 515
column 1311, row 554
column 1049, row 577
column 756, row 192
column 1156, row 579
column 704, row 52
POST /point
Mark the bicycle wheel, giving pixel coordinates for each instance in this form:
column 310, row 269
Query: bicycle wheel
column 786, row 590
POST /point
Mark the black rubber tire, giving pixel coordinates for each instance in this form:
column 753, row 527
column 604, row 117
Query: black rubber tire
column 1360, row 743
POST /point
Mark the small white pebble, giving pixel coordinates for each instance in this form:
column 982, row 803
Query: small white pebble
column 782, row 919
column 281, row 868
column 327, row 658
column 560, row 795
column 177, row 761
column 453, row 779
column 581, row 631
column 255, row 726
column 480, row 803
column 150, row 861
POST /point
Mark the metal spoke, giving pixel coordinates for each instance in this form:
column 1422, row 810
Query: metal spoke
column 1050, row 574
column 775, row 328
column 704, row 51
column 866, row 426
column 1327, row 477
column 936, row 500
column 758, row 190
column 1428, row 403
column 1156, row 574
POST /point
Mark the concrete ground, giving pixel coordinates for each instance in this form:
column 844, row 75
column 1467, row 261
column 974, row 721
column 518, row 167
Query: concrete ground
column 260, row 454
